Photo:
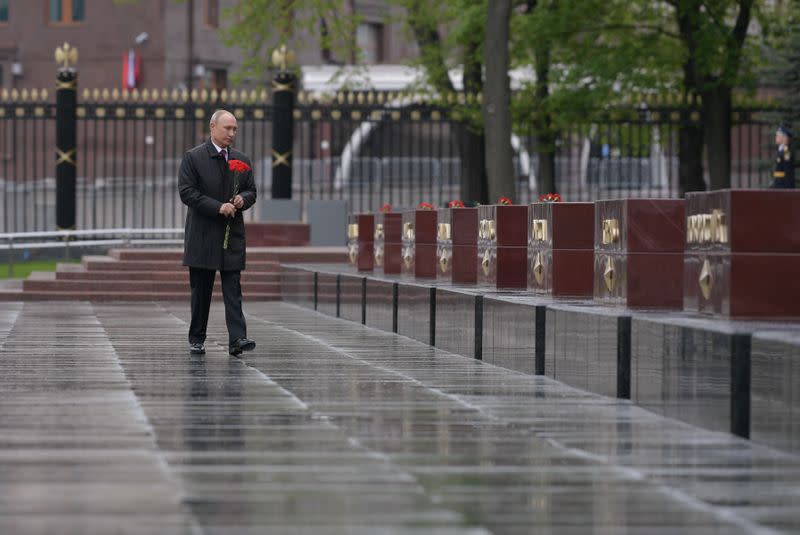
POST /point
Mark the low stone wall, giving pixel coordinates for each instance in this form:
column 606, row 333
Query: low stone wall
column 729, row 376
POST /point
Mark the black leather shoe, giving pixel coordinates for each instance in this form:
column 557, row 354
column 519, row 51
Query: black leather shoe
column 197, row 349
column 242, row 344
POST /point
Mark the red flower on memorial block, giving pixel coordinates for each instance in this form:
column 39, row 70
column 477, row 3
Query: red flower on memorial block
column 425, row 206
column 550, row 197
column 386, row 208
column 456, row 204
column 505, row 201
column 238, row 166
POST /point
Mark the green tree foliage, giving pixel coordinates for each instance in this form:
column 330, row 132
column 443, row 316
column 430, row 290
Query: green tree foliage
column 257, row 27
column 783, row 69
column 586, row 56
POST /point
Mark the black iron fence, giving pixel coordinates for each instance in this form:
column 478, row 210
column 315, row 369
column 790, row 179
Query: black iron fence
column 365, row 148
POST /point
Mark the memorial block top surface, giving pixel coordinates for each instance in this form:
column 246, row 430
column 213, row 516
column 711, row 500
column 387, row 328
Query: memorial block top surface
column 444, row 225
column 563, row 225
column 640, row 225
column 744, row 221
column 389, row 226
column 505, row 224
column 366, row 226
column 420, row 226
column 465, row 226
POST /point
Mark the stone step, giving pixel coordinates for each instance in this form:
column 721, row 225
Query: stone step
column 309, row 255
column 121, row 275
column 114, row 286
column 10, row 295
column 95, row 263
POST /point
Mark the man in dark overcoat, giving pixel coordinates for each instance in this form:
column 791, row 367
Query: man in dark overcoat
column 208, row 187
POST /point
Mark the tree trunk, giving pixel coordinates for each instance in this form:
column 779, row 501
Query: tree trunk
column 717, row 108
column 543, row 123
column 474, row 186
column 546, row 174
column 496, row 102
column 690, row 156
column 474, row 181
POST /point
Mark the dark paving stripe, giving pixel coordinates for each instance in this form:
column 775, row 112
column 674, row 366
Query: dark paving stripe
column 528, row 451
column 107, row 425
column 76, row 453
column 251, row 456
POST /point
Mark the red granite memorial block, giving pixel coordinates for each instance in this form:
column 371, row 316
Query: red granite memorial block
column 444, row 244
column 389, row 242
column 503, row 246
column 638, row 259
column 743, row 253
column 360, row 241
column 464, row 261
column 561, row 249
column 419, row 244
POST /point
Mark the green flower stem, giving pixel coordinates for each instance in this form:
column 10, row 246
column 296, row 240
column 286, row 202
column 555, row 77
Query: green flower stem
column 228, row 226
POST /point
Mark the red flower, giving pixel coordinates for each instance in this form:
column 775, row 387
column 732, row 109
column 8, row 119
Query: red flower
column 386, row 208
column 455, row 204
column 425, row 206
column 550, row 197
column 238, row 166
column 504, row 201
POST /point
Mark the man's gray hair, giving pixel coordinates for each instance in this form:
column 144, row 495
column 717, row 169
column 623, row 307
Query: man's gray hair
column 217, row 114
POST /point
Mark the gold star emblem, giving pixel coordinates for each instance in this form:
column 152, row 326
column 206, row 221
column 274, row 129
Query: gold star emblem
column 444, row 260
column 706, row 280
column 609, row 275
column 408, row 257
column 538, row 268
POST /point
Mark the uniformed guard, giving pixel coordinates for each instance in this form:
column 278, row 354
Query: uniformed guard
column 783, row 174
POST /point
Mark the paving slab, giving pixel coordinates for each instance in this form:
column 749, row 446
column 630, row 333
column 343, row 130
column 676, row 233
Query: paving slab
column 108, row 425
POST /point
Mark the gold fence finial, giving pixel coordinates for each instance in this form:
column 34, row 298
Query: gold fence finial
column 67, row 55
column 282, row 57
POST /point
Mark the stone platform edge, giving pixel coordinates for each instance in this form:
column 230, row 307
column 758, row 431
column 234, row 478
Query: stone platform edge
column 731, row 376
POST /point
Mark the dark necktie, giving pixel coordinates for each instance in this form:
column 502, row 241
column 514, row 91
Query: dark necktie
column 224, row 154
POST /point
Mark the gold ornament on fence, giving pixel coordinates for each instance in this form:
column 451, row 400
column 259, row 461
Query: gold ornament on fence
column 67, row 55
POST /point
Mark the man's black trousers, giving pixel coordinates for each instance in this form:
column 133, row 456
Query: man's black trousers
column 202, row 283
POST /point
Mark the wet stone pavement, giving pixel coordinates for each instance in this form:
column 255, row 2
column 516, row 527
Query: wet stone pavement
column 107, row 425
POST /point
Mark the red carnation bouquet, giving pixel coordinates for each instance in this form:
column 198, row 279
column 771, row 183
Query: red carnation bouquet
column 238, row 168
column 425, row 206
column 386, row 208
column 505, row 201
column 456, row 204
column 550, row 197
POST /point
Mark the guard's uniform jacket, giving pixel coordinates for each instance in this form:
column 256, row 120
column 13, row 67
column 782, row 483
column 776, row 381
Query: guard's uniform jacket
column 783, row 174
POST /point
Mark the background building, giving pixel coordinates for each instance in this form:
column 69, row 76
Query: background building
column 155, row 40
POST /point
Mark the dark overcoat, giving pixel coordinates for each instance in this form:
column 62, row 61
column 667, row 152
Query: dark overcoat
column 205, row 183
column 783, row 174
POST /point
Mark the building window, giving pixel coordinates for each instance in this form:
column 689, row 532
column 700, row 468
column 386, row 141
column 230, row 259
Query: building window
column 369, row 39
column 212, row 13
column 220, row 79
column 67, row 11
column 3, row 11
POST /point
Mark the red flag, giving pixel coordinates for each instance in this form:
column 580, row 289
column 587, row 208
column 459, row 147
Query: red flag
column 131, row 69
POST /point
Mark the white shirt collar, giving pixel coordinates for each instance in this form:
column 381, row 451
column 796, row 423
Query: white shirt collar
column 220, row 148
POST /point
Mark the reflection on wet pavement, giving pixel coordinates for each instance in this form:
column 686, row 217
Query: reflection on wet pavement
column 107, row 425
